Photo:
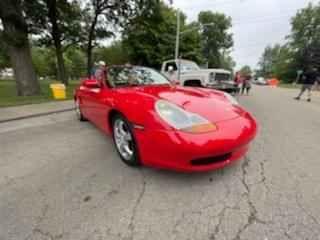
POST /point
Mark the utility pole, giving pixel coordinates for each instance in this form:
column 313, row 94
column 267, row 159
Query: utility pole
column 176, row 55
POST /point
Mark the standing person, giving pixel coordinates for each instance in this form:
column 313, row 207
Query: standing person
column 246, row 85
column 101, row 72
column 308, row 80
column 93, row 70
column 238, row 81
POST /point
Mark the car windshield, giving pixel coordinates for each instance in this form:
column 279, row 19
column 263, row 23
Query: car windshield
column 135, row 76
column 189, row 66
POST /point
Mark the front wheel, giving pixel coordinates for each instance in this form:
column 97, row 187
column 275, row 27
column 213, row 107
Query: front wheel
column 78, row 110
column 124, row 141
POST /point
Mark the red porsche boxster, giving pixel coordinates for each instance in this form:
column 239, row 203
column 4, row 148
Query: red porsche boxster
column 155, row 123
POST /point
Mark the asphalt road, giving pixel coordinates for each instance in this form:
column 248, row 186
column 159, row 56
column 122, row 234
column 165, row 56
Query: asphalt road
column 62, row 179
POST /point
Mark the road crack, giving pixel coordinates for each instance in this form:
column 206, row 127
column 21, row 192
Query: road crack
column 300, row 205
column 136, row 206
column 253, row 213
column 217, row 227
column 47, row 234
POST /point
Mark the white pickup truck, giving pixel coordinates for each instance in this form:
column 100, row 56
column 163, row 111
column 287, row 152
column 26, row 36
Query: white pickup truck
column 192, row 75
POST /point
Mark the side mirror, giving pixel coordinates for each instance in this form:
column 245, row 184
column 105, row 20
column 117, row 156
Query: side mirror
column 91, row 83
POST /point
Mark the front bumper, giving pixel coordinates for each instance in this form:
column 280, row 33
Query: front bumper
column 187, row 152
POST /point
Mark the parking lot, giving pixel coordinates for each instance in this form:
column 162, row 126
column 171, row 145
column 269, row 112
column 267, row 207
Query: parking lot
column 62, row 179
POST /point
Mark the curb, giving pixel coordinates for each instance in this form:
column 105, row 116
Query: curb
column 36, row 115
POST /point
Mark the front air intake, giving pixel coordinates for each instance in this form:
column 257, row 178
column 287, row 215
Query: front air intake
column 211, row 160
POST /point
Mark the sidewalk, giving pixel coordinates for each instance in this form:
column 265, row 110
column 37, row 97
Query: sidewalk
column 20, row 112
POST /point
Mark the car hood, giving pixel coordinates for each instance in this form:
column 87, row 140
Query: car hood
column 213, row 105
column 206, row 71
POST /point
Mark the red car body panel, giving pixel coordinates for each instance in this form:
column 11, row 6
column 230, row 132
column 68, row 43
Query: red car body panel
column 159, row 144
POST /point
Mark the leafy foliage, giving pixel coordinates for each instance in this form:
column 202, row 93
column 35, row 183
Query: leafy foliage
column 112, row 55
column 215, row 36
column 44, row 61
column 190, row 43
column 68, row 20
column 102, row 17
column 56, row 23
column 226, row 61
column 4, row 59
column 305, row 36
column 14, row 37
column 246, row 70
column 300, row 52
column 75, row 60
column 150, row 39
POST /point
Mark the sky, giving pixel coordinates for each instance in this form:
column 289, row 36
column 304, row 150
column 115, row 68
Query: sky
column 256, row 23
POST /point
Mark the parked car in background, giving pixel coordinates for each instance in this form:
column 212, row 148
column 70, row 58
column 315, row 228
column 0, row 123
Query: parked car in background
column 261, row 81
column 191, row 75
column 7, row 73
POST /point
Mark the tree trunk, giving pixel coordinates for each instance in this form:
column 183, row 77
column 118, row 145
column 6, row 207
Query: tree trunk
column 56, row 35
column 89, row 59
column 90, row 45
column 15, row 37
column 26, row 80
column 61, row 67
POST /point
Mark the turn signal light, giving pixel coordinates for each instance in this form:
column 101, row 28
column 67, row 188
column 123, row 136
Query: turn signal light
column 201, row 128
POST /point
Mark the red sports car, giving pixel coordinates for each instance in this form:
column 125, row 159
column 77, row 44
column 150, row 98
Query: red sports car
column 155, row 123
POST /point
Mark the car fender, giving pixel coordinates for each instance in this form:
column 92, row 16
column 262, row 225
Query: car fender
column 139, row 110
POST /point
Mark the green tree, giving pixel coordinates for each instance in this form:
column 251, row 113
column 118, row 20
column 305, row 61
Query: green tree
column 227, row 62
column 267, row 60
column 44, row 61
column 246, row 70
column 215, row 36
column 4, row 58
column 76, row 62
column 300, row 52
column 114, row 54
column 278, row 61
column 305, row 36
column 15, row 38
column 190, row 43
column 150, row 40
column 284, row 66
column 58, row 24
column 101, row 17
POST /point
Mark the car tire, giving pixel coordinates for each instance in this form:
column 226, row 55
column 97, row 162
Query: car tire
column 78, row 111
column 124, row 141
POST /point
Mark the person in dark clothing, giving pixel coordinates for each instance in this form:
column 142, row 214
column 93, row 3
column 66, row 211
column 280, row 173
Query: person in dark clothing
column 308, row 79
column 246, row 85
column 238, row 82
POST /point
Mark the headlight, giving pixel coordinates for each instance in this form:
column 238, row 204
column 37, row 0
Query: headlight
column 183, row 120
column 231, row 99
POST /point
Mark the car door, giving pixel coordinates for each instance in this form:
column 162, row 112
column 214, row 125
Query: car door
column 102, row 101
column 85, row 98
column 91, row 99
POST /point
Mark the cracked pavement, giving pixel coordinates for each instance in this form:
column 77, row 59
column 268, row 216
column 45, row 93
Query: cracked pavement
column 62, row 179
